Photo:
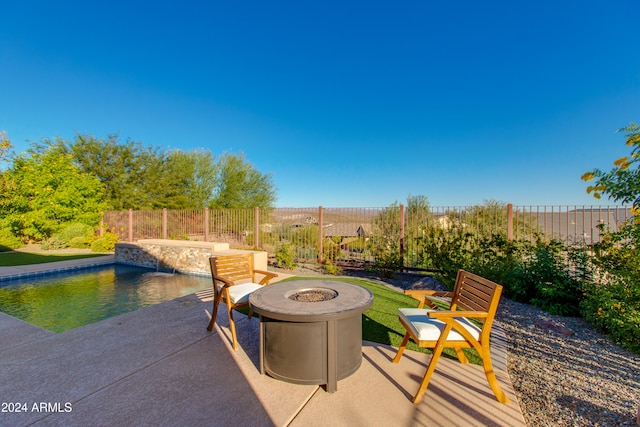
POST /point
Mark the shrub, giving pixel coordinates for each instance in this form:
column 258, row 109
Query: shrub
column 548, row 275
column 553, row 279
column 613, row 304
column 79, row 243
column 75, row 231
column 388, row 263
column 53, row 243
column 331, row 268
column 357, row 245
column 106, row 243
column 614, row 308
column 330, row 251
column 448, row 250
column 285, row 256
column 8, row 241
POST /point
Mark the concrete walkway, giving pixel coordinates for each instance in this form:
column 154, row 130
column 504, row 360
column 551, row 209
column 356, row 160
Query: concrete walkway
column 160, row 366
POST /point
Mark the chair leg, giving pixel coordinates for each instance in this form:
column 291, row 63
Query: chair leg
column 214, row 313
column 403, row 344
column 232, row 326
column 437, row 351
column 491, row 377
column 427, row 375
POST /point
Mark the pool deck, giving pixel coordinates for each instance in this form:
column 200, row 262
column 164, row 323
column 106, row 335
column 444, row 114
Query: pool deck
column 160, row 366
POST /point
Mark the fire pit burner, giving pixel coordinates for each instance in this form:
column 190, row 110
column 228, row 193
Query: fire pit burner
column 313, row 295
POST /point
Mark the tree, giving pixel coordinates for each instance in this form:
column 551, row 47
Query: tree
column 138, row 177
column 44, row 190
column 5, row 145
column 614, row 305
column 242, row 186
column 195, row 177
column 129, row 172
column 622, row 183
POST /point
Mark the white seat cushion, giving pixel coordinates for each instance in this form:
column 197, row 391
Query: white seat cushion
column 240, row 293
column 428, row 329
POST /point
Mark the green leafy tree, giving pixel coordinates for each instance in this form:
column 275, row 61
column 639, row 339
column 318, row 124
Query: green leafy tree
column 192, row 178
column 614, row 304
column 622, row 183
column 45, row 190
column 122, row 168
column 5, row 145
column 139, row 177
column 240, row 185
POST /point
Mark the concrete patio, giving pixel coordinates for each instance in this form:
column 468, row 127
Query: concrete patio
column 160, row 366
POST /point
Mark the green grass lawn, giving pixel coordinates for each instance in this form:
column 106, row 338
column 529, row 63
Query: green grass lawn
column 380, row 323
column 11, row 259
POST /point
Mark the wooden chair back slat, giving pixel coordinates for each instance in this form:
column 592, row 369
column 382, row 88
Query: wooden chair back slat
column 233, row 267
column 473, row 292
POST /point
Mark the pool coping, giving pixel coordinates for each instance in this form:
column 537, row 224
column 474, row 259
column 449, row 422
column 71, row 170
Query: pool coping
column 34, row 270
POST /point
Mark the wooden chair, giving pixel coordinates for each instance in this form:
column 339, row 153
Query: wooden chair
column 474, row 297
column 234, row 279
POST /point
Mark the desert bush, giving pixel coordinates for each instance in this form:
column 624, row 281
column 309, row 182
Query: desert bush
column 357, row 245
column 285, row 256
column 612, row 303
column 53, row 243
column 8, row 241
column 448, row 250
column 331, row 268
column 387, row 263
column 546, row 274
column 106, row 243
column 330, row 251
column 614, row 308
column 79, row 243
column 76, row 232
column 554, row 278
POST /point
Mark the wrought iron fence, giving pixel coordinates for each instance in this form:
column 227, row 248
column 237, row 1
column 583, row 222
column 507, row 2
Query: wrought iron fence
column 362, row 234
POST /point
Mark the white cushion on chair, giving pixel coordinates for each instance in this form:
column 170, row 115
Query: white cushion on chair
column 240, row 293
column 428, row 329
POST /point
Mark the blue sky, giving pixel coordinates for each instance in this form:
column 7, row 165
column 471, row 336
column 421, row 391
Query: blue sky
column 345, row 103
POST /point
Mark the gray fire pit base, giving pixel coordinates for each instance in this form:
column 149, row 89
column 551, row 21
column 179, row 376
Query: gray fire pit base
column 311, row 343
column 312, row 352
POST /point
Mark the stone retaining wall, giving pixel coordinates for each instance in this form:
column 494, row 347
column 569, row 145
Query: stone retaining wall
column 179, row 255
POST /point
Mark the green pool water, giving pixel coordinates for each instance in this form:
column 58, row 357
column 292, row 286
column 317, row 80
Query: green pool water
column 63, row 301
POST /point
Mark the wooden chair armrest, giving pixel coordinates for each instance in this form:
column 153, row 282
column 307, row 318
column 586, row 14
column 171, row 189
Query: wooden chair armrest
column 226, row 282
column 428, row 292
column 267, row 276
column 450, row 313
column 422, row 295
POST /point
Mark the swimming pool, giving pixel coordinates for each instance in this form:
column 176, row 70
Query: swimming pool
column 63, row 301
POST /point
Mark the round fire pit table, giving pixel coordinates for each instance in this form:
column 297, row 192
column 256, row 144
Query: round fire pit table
column 311, row 330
